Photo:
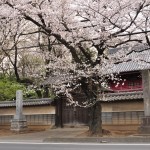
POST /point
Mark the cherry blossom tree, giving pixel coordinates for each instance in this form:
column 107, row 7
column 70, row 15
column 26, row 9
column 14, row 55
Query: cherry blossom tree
column 82, row 33
column 18, row 43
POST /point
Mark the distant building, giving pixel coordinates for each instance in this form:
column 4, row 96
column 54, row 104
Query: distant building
column 124, row 108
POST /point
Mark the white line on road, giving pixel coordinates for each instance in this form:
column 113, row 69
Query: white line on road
column 40, row 143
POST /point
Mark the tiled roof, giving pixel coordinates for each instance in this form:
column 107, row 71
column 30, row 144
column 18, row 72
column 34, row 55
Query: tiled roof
column 142, row 62
column 130, row 66
column 30, row 102
column 122, row 96
column 57, row 79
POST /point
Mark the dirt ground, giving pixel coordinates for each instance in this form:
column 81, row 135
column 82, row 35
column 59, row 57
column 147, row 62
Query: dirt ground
column 121, row 133
column 7, row 131
column 113, row 133
column 106, row 133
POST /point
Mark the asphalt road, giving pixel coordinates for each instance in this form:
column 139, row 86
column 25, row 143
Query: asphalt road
column 30, row 146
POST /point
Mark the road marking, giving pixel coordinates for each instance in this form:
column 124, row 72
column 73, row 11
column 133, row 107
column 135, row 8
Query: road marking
column 41, row 143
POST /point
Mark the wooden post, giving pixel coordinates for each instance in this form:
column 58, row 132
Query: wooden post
column 59, row 121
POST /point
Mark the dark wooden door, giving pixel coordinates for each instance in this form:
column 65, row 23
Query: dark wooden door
column 74, row 115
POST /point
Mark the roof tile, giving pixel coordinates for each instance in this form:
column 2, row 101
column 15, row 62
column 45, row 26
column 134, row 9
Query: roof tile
column 122, row 96
column 29, row 102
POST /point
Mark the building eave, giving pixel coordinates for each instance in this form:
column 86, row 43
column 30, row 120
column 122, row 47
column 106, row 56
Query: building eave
column 29, row 102
column 136, row 95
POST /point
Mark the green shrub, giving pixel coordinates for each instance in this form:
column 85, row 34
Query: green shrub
column 8, row 89
column 30, row 93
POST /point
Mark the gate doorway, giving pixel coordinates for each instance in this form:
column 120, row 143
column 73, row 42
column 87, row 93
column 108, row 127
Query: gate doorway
column 74, row 116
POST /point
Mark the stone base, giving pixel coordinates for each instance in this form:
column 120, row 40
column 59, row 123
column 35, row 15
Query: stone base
column 145, row 126
column 18, row 125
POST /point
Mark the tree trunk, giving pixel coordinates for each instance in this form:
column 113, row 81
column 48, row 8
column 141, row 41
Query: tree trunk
column 46, row 92
column 91, row 90
column 95, row 122
column 16, row 73
column 15, row 61
column 39, row 93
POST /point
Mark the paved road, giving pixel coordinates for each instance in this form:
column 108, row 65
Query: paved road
column 36, row 146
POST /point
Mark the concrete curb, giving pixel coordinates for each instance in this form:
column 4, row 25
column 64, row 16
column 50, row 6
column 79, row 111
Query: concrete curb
column 99, row 140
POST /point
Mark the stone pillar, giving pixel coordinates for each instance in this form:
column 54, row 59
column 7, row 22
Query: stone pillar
column 145, row 125
column 19, row 123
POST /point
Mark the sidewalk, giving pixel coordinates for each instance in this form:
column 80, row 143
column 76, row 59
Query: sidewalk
column 70, row 135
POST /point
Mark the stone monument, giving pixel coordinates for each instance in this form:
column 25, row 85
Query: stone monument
column 19, row 123
column 145, row 125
